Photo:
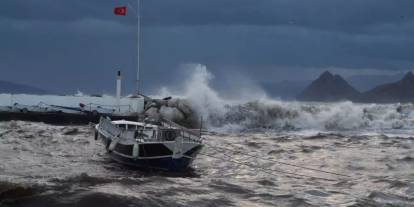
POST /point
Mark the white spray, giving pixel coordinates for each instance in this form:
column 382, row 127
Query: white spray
column 255, row 111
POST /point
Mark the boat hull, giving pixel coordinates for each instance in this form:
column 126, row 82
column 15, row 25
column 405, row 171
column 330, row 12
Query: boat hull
column 151, row 156
column 165, row 163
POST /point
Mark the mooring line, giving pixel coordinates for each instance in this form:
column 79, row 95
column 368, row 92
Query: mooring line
column 281, row 171
column 245, row 164
column 286, row 172
column 292, row 175
column 279, row 162
column 267, row 171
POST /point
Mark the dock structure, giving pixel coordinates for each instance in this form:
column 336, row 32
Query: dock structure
column 73, row 109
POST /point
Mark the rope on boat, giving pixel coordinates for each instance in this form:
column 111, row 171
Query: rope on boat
column 268, row 171
column 275, row 161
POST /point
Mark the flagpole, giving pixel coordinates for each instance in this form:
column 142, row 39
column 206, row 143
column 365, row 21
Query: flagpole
column 139, row 44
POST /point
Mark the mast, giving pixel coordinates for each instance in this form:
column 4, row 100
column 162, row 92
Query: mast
column 139, row 44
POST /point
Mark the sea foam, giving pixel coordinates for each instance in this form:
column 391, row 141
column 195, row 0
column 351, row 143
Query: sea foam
column 255, row 111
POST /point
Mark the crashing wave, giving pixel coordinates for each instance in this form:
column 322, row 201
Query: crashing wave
column 259, row 112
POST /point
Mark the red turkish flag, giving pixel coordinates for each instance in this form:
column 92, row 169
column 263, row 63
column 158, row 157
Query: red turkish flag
column 120, row 11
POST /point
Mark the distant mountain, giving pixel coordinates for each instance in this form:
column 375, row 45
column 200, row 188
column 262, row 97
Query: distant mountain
column 9, row 87
column 400, row 91
column 329, row 87
column 287, row 89
column 368, row 82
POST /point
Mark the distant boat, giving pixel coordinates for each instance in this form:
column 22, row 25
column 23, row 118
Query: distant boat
column 160, row 145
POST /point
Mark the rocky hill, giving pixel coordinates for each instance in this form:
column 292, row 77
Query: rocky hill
column 400, row 91
column 329, row 87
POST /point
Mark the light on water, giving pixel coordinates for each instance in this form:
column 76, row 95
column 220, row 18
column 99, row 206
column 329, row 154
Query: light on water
column 55, row 165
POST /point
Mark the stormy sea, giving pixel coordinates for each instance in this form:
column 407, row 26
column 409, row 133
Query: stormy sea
column 258, row 152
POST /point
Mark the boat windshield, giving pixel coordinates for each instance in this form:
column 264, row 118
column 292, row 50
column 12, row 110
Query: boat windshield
column 126, row 126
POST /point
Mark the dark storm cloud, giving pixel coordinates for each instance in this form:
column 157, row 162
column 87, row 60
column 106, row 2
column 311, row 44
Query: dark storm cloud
column 75, row 41
column 319, row 13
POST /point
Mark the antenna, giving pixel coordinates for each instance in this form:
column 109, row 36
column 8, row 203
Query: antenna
column 201, row 125
column 118, row 90
column 139, row 44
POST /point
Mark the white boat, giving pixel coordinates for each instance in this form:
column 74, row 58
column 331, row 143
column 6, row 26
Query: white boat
column 161, row 145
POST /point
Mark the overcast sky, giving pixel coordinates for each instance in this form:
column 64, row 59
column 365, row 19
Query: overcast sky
column 64, row 45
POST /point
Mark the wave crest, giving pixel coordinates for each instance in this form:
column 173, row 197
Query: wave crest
column 256, row 111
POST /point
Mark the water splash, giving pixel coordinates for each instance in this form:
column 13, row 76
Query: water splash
column 255, row 111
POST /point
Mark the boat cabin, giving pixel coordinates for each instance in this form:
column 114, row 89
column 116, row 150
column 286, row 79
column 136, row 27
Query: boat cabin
column 147, row 132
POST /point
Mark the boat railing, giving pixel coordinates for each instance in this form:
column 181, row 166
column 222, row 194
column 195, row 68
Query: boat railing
column 187, row 134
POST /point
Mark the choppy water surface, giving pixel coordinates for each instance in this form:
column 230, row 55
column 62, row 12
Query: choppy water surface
column 45, row 165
